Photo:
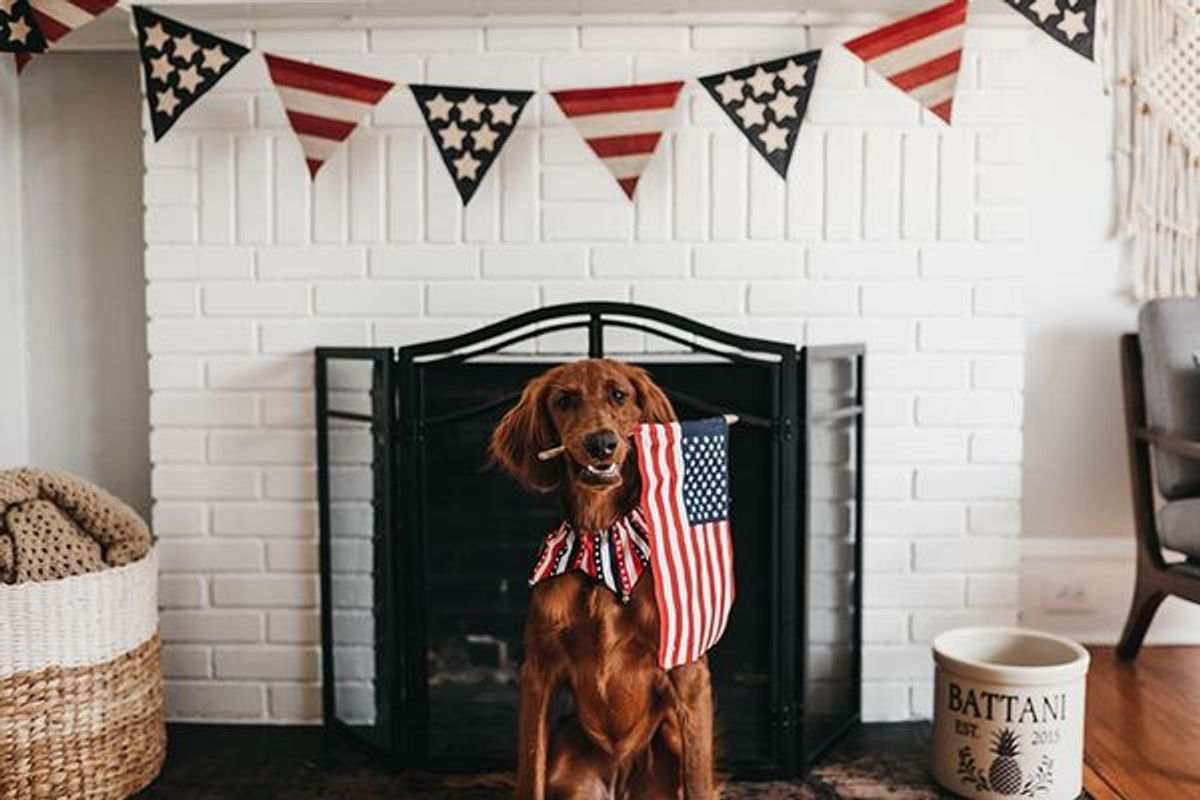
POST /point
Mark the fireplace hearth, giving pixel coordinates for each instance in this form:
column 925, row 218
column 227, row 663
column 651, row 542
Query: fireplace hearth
column 425, row 551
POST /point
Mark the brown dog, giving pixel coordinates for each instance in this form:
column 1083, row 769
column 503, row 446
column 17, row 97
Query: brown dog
column 636, row 732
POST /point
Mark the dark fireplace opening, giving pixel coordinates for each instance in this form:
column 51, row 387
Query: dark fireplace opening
column 426, row 551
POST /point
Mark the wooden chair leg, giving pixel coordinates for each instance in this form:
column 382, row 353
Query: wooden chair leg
column 1146, row 600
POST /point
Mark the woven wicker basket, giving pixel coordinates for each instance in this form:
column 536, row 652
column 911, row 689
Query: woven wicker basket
column 81, row 706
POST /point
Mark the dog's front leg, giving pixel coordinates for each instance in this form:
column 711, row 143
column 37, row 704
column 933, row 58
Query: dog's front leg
column 533, row 729
column 693, row 690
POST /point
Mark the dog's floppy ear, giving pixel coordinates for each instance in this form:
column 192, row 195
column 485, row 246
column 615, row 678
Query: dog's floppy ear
column 651, row 399
column 525, row 431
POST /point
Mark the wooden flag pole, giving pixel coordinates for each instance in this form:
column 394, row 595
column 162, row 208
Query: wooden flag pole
column 555, row 452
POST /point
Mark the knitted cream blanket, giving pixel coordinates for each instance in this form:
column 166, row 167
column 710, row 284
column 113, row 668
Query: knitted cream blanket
column 54, row 525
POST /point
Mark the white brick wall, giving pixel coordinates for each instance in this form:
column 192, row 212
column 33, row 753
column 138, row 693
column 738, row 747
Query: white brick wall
column 891, row 230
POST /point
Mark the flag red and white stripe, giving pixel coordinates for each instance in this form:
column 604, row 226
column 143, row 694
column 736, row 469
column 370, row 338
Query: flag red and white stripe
column 622, row 124
column 692, row 563
column 56, row 18
column 920, row 54
column 323, row 105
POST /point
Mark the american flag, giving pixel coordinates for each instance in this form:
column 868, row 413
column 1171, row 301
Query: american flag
column 919, row 54
column 622, row 124
column 685, row 501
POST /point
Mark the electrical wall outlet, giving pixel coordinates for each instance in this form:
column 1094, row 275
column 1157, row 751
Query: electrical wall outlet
column 1066, row 596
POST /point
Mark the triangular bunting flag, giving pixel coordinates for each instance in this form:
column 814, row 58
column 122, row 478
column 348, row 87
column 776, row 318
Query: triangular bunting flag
column 470, row 126
column 919, row 54
column 767, row 102
column 18, row 31
column 323, row 105
column 622, row 124
column 180, row 63
column 56, row 18
column 1068, row 22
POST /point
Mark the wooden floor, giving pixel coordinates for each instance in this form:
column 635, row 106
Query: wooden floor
column 1143, row 743
column 1143, row 725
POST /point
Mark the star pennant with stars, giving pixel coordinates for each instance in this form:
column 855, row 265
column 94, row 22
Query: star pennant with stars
column 180, row 64
column 767, row 102
column 19, row 32
column 1068, row 22
column 470, row 126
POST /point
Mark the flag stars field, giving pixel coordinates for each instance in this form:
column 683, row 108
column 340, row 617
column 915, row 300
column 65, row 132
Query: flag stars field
column 470, row 127
column 177, row 65
column 767, row 102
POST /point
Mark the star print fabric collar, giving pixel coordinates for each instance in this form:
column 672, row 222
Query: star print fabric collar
column 470, row 126
column 615, row 557
column 767, row 103
column 180, row 64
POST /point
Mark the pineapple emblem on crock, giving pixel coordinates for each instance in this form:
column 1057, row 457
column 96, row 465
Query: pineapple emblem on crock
column 1005, row 773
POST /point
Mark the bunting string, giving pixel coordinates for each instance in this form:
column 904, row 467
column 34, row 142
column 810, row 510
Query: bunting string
column 622, row 125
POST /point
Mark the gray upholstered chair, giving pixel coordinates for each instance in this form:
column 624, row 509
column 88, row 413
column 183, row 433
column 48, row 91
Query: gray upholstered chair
column 1162, row 418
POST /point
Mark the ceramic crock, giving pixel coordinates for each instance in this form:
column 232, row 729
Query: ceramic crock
column 1008, row 714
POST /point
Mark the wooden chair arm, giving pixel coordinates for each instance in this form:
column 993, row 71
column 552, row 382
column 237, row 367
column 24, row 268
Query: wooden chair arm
column 1187, row 448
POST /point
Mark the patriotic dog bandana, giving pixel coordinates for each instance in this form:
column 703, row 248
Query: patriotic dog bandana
column 615, row 556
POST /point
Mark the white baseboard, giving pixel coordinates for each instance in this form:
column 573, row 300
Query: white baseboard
column 1102, row 570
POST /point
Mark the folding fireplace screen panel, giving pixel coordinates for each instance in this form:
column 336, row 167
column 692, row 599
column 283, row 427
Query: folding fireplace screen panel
column 426, row 551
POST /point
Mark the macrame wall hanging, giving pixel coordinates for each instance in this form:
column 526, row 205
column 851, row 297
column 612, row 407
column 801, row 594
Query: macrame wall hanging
column 1156, row 45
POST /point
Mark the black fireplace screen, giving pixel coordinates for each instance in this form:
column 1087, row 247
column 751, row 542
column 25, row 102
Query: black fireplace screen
column 425, row 551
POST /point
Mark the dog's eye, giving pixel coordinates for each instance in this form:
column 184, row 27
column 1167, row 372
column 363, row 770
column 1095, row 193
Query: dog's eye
column 565, row 402
column 617, row 395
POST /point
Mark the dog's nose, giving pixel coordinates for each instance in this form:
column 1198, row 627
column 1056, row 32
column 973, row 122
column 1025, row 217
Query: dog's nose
column 600, row 444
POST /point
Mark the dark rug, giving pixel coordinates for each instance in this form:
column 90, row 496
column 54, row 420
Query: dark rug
column 876, row 761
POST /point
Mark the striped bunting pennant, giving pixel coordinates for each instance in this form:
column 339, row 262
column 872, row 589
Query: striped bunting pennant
column 180, row 64
column 56, row 18
column 323, row 105
column 622, row 124
column 920, row 54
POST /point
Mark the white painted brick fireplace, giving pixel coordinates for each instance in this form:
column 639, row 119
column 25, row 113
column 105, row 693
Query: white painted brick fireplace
column 892, row 230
